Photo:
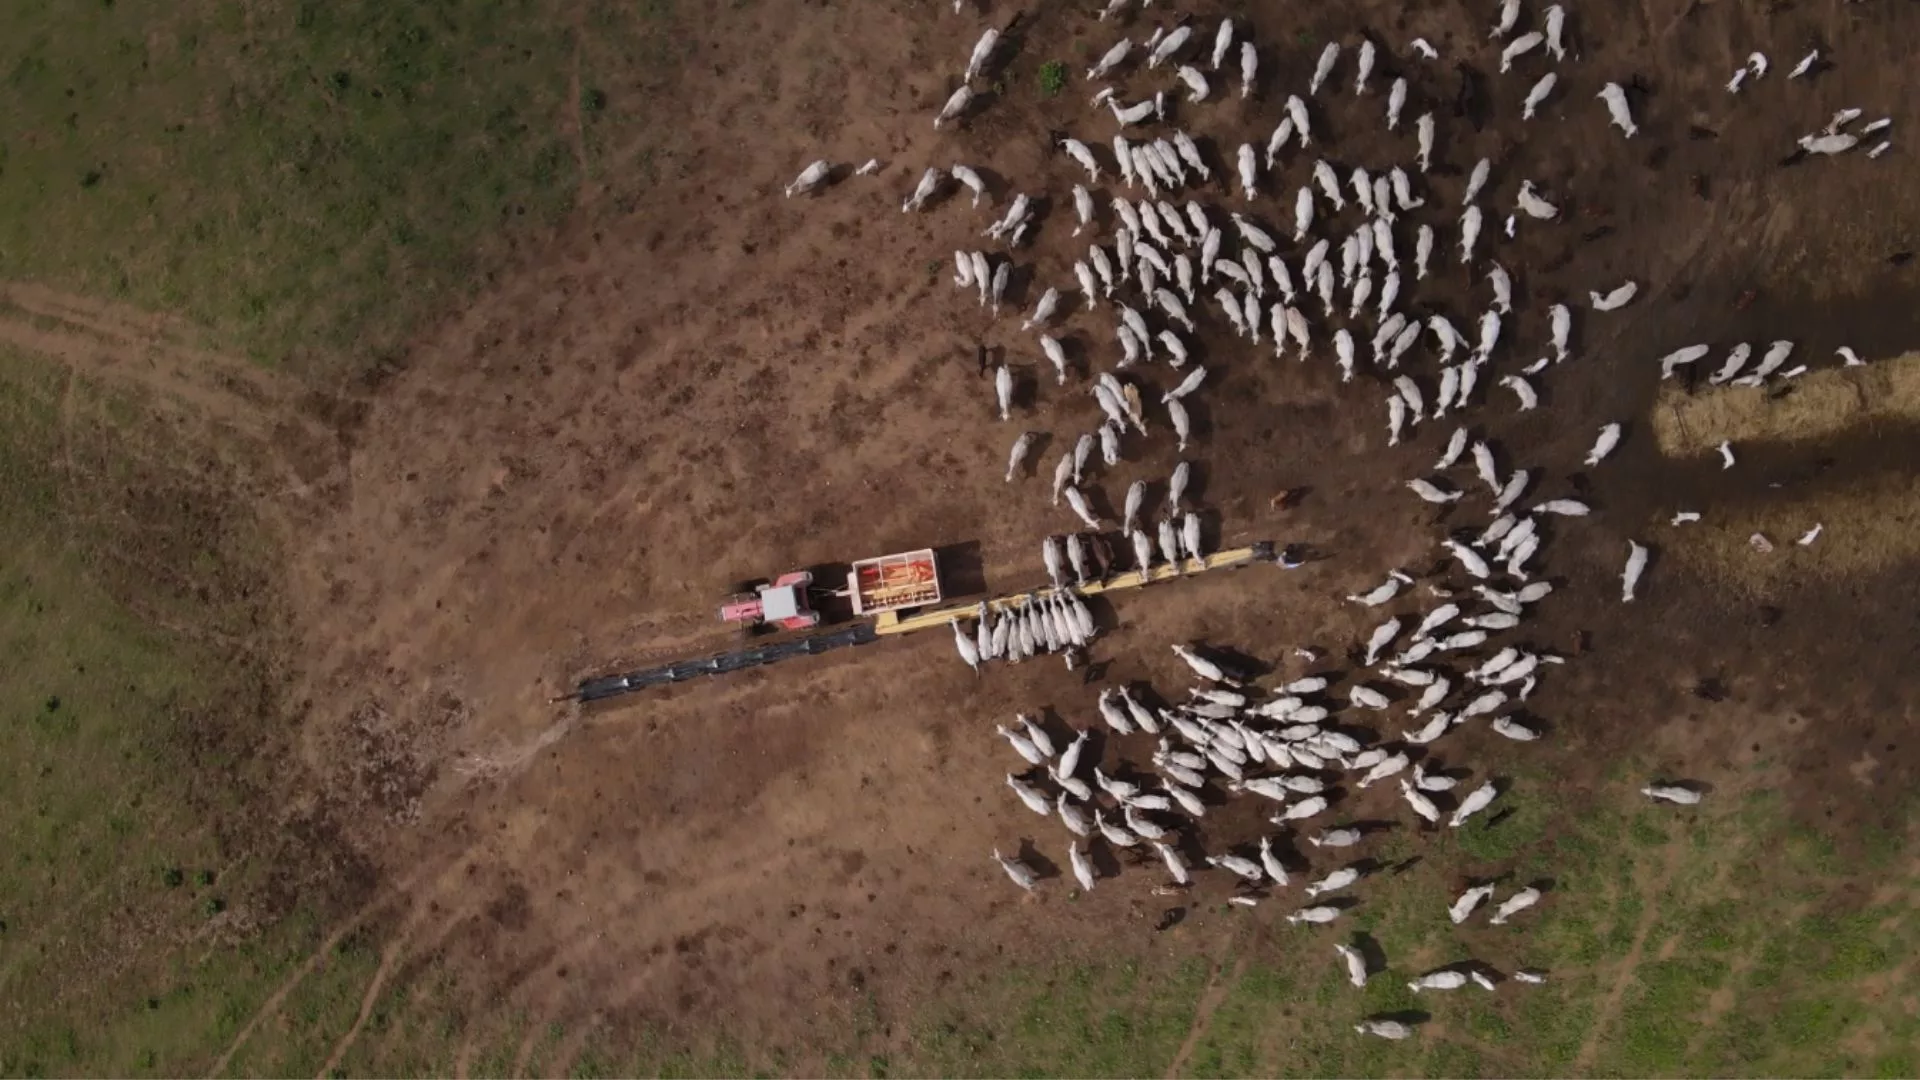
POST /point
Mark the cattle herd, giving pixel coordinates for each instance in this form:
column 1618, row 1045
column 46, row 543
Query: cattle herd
column 1180, row 227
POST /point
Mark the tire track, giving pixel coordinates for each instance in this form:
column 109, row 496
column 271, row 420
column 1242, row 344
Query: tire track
column 576, row 112
column 253, row 419
column 463, row 1057
column 1629, row 966
column 530, row 1042
column 279, row 995
column 132, row 348
column 397, row 950
column 568, row 1052
column 1211, row 999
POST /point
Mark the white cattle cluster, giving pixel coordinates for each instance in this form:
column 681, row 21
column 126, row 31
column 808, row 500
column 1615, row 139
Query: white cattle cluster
column 1045, row 622
column 1290, row 747
column 1171, row 243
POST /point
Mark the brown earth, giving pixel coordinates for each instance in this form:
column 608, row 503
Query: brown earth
column 722, row 384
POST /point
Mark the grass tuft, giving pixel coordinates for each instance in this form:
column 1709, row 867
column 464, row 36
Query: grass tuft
column 1053, row 78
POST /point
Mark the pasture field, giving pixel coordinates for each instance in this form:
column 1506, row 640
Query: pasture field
column 301, row 181
column 371, row 372
column 147, row 910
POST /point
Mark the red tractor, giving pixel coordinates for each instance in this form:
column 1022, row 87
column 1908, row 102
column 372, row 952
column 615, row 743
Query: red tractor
column 782, row 604
column 878, row 588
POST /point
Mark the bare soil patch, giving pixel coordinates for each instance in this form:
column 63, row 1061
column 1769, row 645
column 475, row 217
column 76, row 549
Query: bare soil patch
column 722, row 384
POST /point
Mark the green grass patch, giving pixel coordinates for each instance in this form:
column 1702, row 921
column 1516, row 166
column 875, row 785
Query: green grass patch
column 1730, row 974
column 135, row 935
column 1053, row 78
column 307, row 179
column 305, row 182
column 1084, row 1020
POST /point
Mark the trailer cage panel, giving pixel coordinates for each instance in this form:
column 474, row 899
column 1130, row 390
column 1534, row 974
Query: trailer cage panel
column 891, row 582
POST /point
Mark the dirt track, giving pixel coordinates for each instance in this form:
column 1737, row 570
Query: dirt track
column 725, row 384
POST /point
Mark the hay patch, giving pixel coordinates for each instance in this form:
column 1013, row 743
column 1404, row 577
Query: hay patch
column 1868, row 526
column 1825, row 403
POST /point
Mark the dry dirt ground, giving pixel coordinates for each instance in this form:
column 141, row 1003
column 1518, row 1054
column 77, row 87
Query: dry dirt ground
column 721, row 384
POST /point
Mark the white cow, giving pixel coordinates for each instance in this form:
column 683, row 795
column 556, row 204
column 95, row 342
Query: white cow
column 809, row 179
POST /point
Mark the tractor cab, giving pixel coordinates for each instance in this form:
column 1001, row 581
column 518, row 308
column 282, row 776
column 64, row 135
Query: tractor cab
column 782, row 603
